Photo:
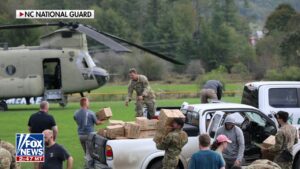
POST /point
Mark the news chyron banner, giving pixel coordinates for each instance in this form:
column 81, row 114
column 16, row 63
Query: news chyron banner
column 30, row 147
column 55, row 14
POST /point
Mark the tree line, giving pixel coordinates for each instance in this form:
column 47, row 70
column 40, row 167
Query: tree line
column 204, row 34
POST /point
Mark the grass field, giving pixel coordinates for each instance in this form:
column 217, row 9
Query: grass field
column 159, row 87
column 15, row 121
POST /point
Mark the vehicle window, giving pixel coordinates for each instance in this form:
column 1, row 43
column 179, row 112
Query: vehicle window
column 208, row 118
column 283, row 97
column 10, row 70
column 192, row 118
column 256, row 118
column 250, row 96
column 214, row 125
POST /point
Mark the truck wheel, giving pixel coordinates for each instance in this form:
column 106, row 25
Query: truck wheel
column 3, row 106
column 156, row 165
column 297, row 163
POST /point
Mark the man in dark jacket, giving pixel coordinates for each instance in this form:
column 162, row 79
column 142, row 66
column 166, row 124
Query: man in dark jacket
column 212, row 89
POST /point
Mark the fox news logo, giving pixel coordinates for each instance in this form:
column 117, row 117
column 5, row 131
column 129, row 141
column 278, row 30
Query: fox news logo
column 30, row 147
column 55, row 14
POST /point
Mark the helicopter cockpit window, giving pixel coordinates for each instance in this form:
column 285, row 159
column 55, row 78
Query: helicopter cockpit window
column 90, row 60
column 84, row 63
column 66, row 34
column 10, row 70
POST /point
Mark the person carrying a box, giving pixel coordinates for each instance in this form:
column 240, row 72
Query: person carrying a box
column 172, row 144
column 285, row 139
column 144, row 93
column 85, row 119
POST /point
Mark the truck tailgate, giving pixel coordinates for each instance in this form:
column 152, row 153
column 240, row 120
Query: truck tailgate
column 96, row 147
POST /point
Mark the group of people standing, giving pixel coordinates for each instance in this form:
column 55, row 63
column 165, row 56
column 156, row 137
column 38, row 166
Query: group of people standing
column 227, row 150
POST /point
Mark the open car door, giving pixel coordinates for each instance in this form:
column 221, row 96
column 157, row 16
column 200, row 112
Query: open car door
column 215, row 123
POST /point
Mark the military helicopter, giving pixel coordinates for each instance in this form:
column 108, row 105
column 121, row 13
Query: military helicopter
column 59, row 66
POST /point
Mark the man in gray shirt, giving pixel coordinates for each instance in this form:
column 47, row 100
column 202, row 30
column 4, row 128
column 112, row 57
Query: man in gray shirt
column 85, row 119
column 212, row 89
column 234, row 153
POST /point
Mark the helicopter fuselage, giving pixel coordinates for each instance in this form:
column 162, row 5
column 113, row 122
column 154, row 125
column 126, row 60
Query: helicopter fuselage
column 29, row 71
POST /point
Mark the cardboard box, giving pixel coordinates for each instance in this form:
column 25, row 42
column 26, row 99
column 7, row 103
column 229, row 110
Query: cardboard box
column 116, row 122
column 146, row 124
column 147, row 134
column 267, row 143
column 266, row 154
column 132, row 130
column 270, row 141
column 152, row 124
column 115, row 131
column 167, row 116
column 102, row 132
column 142, row 121
column 104, row 114
column 121, row 138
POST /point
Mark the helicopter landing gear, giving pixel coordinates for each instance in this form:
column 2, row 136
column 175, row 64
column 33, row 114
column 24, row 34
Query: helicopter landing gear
column 3, row 106
column 64, row 101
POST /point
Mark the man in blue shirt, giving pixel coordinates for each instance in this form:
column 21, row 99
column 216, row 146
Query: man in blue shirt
column 85, row 119
column 206, row 158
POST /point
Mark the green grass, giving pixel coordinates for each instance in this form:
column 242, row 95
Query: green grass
column 15, row 121
column 158, row 87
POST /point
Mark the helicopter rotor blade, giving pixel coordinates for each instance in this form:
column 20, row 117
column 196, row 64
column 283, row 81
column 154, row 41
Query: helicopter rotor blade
column 117, row 47
column 27, row 26
column 139, row 47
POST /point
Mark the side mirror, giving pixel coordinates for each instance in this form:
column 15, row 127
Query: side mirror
column 270, row 116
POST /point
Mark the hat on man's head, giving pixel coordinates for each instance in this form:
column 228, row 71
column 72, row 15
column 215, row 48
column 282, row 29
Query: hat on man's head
column 229, row 120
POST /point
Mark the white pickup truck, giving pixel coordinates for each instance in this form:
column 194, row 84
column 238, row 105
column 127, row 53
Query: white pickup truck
column 200, row 118
column 272, row 96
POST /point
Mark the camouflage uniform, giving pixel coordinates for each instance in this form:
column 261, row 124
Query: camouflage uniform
column 11, row 149
column 142, row 88
column 285, row 138
column 263, row 164
column 5, row 159
column 172, row 144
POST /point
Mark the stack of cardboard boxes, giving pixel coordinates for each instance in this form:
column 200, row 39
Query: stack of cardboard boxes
column 166, row 118
column 148, row 127
column 141, row 128
column 118, row 129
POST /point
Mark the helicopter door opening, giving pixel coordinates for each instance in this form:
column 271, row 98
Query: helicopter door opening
column 52, row 74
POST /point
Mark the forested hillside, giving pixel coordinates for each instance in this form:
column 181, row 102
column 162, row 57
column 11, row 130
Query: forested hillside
column 204, row 34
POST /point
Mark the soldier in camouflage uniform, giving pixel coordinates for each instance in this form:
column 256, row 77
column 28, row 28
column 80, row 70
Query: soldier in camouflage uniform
column 172, row 144
column 263, row 164
column 145, row 95
column 285, row 138
column 5, row 159
column 12, row 151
